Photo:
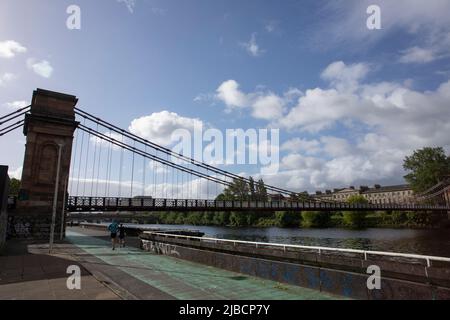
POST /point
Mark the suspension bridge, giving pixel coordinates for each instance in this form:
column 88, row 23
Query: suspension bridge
column 77, row 162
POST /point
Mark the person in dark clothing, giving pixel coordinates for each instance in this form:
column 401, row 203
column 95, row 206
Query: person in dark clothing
column 122, row 236
column 113, row 228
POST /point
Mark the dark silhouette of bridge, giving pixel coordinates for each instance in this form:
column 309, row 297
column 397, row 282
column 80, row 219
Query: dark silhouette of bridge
column 93, row 204
column 94, row 170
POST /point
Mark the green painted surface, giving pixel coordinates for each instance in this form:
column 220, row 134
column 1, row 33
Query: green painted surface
column 190, row 281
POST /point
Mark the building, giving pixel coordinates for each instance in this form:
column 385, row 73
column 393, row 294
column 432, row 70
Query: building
column 375, row 195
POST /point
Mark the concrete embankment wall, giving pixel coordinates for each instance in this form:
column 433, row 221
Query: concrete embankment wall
column 337, row 273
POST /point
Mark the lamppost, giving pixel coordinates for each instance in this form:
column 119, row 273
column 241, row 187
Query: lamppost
column 55, row 199
column 61, row 236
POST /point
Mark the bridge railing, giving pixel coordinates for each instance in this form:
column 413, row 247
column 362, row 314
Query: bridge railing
column 99, row 203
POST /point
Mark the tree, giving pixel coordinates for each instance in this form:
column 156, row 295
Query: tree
column 14, row 187
column 240, row 189
column 427, row 166
column 251, row 185
column 355, row 219
column 261, row 191
column 315, row 219
column 301, row 197
column 287, row 218
column 244, row 191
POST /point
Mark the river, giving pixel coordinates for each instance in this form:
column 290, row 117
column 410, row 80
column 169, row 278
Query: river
column 424, row 241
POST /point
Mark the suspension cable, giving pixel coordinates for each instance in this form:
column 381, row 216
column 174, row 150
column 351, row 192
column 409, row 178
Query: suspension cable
column 132, row 169
column 73, row 162
column 13, row 117
column 81, row 155
column 14, row 112
column 87, row 162
column 93, row 164
column 98, row 169
column 120, row 169
column 150, row 156
column 4, row 132
column 174, row 154
column 21, row 122
column 144, row 173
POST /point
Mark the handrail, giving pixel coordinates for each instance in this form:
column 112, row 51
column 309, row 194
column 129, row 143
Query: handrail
column 74, row 201
column 318, row 248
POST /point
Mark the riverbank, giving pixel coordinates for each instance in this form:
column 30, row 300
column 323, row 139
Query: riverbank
column 287, row 219
column 414, row 241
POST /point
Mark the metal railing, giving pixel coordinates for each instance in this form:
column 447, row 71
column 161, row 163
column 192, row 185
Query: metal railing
column 80, row 204
column 318, row 249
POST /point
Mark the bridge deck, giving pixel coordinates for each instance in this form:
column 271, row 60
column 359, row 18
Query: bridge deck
column 86, row 204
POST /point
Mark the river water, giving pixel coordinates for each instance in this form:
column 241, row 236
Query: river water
column 428, row 242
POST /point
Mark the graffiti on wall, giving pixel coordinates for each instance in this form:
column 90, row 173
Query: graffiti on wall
column 160, row 248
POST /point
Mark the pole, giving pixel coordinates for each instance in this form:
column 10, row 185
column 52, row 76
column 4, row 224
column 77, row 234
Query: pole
column 55, row 201
column 63, row 209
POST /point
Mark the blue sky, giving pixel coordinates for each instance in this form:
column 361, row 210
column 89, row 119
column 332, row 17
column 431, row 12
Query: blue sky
column 349, row 102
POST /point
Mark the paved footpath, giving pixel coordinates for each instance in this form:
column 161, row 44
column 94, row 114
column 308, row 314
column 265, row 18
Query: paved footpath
column 179, row 279
column 27, row 271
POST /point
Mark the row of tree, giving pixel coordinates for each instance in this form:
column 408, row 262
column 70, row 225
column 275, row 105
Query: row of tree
column 245, row 191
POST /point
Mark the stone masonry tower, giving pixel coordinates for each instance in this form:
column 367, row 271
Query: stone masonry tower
column 49, row 127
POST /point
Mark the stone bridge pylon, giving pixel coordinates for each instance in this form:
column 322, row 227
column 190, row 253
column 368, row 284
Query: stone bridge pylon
column 49, row 130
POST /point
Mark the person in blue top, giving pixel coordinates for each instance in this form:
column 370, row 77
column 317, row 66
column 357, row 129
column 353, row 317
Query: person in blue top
column 113, row 228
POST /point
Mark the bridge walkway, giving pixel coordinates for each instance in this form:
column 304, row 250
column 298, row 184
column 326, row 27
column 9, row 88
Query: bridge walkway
column 180, row 279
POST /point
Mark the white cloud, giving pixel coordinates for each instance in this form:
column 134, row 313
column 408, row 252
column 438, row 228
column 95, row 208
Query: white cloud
column 16, row 174
column 9, row 48
column 130, row 4
column 268, row 107
column 5, row 78
column 345, row 77
column 326, row 145
column 105, row 144
column 252, row 47
column 302, row 145
column 263, row 104
column 336, row 147
column 319, row 109
column 159, row 127
column 271, row 26
column 347, row 20
column 417, row 55
column 230, row 94
column 382, row 122
column 42, row 68
column 14, row 105
column 395, row 120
